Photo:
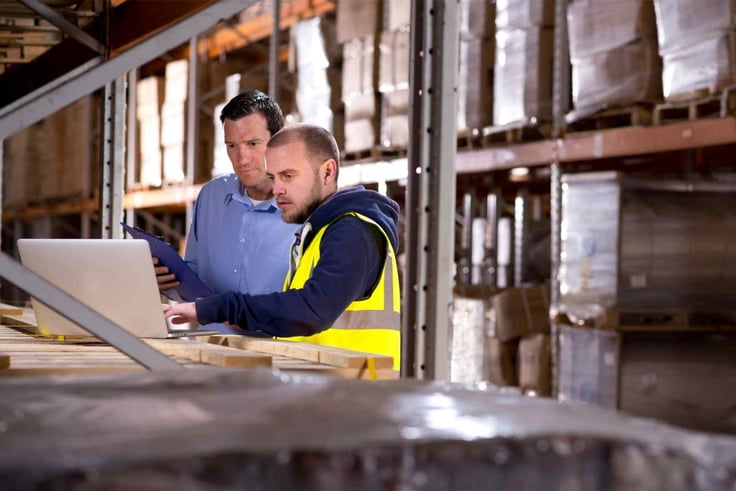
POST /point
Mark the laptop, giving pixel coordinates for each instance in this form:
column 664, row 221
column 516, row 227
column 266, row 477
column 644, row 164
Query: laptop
column 113, row 277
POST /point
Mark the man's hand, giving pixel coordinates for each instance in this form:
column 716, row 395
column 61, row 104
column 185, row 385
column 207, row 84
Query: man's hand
column 181, row 313
column 165, row 279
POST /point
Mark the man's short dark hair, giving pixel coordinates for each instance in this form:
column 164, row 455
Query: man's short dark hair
column 318, row 142
column 254, row 101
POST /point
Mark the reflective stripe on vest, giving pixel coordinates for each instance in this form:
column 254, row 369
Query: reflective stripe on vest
column 371, row 325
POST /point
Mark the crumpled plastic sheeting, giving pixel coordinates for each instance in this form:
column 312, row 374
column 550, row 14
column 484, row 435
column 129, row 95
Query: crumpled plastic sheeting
column 261, row 429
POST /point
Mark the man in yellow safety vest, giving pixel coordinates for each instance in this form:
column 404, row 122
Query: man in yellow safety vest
column 342, row 288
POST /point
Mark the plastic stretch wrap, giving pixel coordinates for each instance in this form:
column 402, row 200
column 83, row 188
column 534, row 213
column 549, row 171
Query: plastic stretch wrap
column 641, row 245
column 680, row 22
column 623, row 75
column 523, row 14
column 475, row 83
column 258, row 430
column 468, row 340
column 707, row 66
column 597, row 26
column 522, row 84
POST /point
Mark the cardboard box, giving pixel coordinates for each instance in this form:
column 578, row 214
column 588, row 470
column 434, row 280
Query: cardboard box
column 535, row 372
column 500, row 361
column 360, row 134
column 520, row 312
column 177, row 74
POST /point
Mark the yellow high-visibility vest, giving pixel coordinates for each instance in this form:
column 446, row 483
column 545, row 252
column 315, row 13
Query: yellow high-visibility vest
column 371, row 325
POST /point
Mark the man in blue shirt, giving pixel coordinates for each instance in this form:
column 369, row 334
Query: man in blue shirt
column 237, row 240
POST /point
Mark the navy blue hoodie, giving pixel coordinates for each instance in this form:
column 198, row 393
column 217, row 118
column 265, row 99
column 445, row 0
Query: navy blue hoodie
column 352, row 253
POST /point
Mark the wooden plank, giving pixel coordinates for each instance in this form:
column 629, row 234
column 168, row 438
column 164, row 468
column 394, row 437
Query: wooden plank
column 327, row 355
column 208, row 353
column 6, row 309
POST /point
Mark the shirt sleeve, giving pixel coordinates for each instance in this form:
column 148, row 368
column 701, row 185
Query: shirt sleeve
column 191, row 256
column 351, row 260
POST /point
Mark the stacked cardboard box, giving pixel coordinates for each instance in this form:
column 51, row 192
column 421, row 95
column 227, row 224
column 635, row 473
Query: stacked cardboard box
column 221, row 161
column 697, row 43
column 522, row 85
column 357, row 25
column 613, row 50
column 517, row 343
column 173, row 121
column 149, row 99
column 309, row 59
column 394, row 62
column 475, row 74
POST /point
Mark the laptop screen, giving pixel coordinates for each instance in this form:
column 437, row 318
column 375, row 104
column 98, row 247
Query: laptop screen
column 113, row 277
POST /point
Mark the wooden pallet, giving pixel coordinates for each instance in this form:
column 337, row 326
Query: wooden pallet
column 710, row 106
column 24, row 352
column 525, row 131
column 618, row 319
column 618, row 117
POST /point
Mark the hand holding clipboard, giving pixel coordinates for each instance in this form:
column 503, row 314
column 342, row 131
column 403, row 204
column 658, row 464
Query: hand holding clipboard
column 190, row 286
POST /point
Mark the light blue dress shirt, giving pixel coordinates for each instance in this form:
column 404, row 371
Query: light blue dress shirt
column 235, row 246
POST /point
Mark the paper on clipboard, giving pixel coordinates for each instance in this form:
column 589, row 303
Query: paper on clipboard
column 190, row 286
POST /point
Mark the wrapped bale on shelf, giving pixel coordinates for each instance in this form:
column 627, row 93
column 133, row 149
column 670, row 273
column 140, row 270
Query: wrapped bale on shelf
column 681, row 22
column 522, row 78
column 393, row 83
column 358, row 94
column 173, row 122
column 636, row 245
column 475, row 73
column 310, row 61
column 358, row 25
column 697, row 43
column 704, row 68
column 150, row 99
column 680, row 378
column 613, row 51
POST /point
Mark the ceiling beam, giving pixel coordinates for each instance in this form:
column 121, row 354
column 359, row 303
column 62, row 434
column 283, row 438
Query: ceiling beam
column 130, row 23
column 42, row 102
column 64, row 25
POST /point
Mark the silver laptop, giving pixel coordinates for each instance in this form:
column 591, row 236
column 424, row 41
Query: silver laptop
column 113, row 277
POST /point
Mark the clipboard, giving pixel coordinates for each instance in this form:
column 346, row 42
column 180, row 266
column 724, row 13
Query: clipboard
column 190, row 286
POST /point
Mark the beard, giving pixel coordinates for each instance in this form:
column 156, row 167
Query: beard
column 301, row 213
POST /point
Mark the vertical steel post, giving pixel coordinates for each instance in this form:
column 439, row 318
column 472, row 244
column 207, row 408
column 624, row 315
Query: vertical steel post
column 430, row 190
column 561, row 105
column 112, row 174
column 192, row 124
column 273, row 49
column 132, row 138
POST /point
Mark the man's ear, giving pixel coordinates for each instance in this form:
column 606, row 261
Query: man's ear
column 329, row 171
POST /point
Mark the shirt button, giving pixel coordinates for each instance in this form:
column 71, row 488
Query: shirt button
column 242, row 241
column 235, row 270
